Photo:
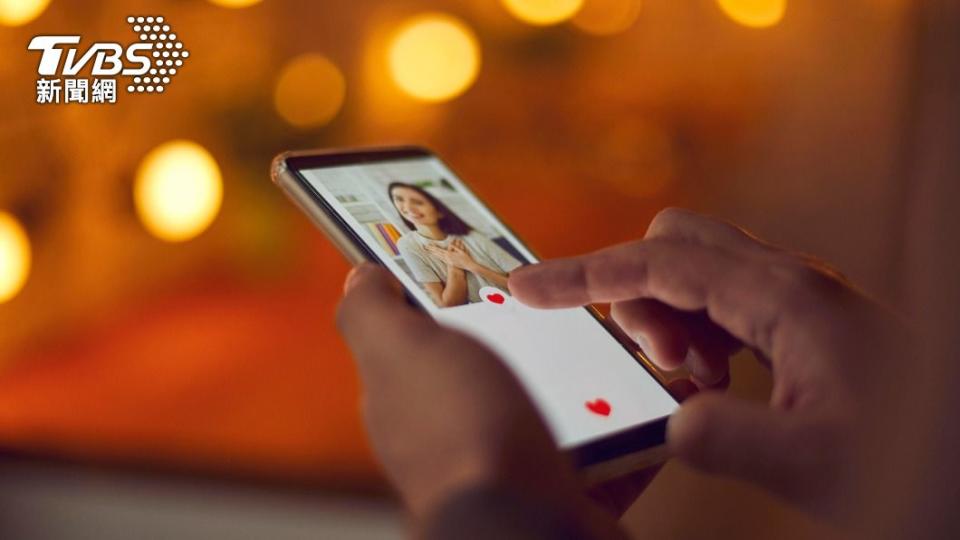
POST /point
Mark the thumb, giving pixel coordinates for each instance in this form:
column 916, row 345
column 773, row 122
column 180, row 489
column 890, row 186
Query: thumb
column 375, row 320
column 781, row 451
column 371, row 276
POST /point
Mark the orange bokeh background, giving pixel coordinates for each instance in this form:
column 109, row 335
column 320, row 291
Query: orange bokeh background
column 219, row 354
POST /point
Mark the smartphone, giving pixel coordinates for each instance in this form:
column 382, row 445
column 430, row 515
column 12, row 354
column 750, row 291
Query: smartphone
column 404, row 208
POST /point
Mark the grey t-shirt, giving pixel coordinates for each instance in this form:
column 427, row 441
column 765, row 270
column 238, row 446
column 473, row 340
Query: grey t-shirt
column 428, row 269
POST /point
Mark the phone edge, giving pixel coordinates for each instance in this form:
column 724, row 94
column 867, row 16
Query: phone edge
column 285, row 179
column 591, row 471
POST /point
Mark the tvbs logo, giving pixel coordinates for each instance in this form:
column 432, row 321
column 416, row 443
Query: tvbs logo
column 147, row 65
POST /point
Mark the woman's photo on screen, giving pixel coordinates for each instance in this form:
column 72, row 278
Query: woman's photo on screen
column 448, row 257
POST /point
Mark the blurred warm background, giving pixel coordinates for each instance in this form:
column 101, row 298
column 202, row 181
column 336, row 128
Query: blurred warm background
column 136, row 330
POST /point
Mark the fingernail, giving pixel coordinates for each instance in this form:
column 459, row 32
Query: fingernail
column 701, row 373
column 348, row 281
column 644, row 344
column 352, row 275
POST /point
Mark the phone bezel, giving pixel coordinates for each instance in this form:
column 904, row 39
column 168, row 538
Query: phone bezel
column 643, row 437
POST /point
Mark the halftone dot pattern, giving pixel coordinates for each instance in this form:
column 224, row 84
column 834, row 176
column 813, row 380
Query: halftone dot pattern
column 166, row 52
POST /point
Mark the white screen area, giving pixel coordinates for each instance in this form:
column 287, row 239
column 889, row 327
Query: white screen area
column 584, row 382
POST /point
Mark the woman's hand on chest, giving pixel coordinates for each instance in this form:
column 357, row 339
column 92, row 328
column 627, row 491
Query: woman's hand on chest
column 455, row 254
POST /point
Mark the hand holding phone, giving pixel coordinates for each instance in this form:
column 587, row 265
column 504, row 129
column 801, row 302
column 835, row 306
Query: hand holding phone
column 694, row 290
column 404, row 209
column 699, row 290
column 445, row 414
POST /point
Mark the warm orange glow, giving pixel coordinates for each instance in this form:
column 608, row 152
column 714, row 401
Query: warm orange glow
column 637, row 159
column 310, row 91
column 14, row 256
column 178, row 190
column 434, row 57
column 755, row 13
column 20, row 12
column 235, row 3
column 605, row 17
column 543, row 12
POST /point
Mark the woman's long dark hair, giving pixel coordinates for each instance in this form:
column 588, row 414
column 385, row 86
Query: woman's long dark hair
column 449, row 222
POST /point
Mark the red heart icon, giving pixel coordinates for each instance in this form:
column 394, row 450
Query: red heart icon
column 599, row 406
column 496, row 298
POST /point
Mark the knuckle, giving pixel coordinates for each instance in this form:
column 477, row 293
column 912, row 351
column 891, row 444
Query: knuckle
column 807, row 293
column 795, row 302
column 638, row 260
column 805, row 284
column 667, row 219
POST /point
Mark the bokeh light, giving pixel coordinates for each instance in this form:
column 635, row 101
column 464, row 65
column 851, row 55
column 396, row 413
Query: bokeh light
column 235, row 3
column 543, row 12
column 755, row 13
column 310, row 91
column 14, row 256
column 606, row 17
column 19, row 12
column 178, row 190
column 434, row 57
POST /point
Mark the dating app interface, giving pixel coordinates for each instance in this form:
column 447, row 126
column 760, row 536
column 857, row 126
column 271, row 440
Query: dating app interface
column 454, row 256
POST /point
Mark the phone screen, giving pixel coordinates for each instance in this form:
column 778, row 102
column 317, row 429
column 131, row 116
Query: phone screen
column 420, row 220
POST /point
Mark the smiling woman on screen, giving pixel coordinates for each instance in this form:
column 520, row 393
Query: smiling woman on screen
column 451, row 259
